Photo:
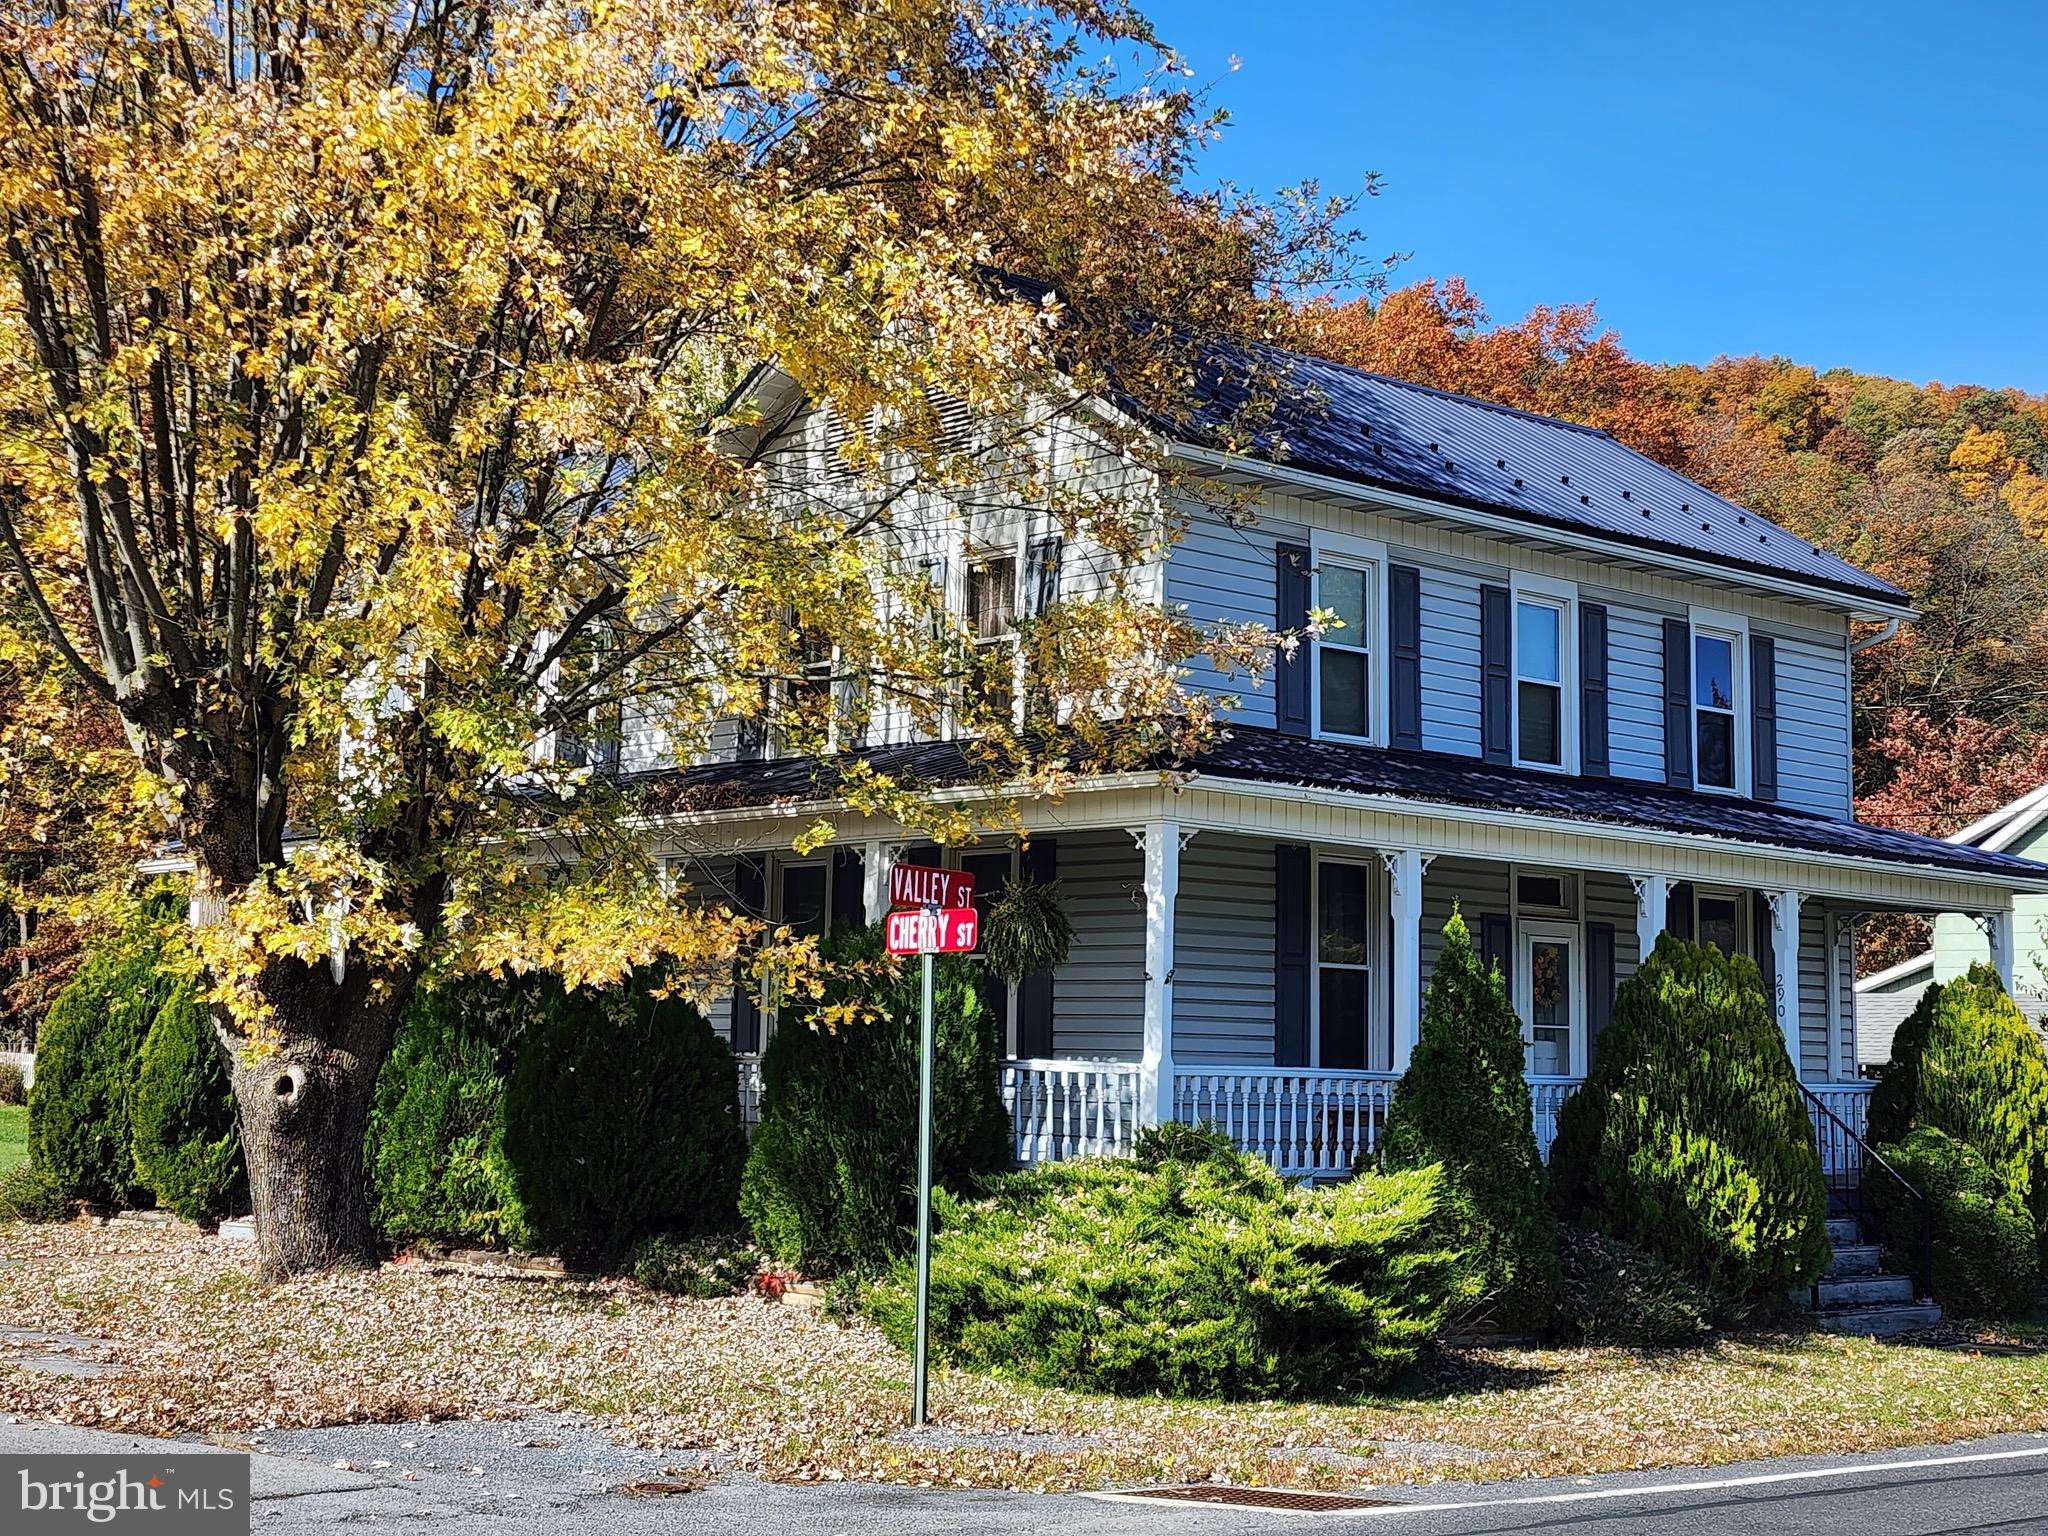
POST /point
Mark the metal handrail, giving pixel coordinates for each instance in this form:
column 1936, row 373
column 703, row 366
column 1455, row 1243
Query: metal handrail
column 1923, row 1258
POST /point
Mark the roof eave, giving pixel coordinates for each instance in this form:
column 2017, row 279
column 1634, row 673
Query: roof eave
column 1858, row 604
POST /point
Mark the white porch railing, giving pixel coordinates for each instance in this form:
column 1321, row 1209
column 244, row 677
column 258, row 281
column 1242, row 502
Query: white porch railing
column 1546, row 1098
column 1306, row 1124
column 1062, row 1109
column 1848, row 1110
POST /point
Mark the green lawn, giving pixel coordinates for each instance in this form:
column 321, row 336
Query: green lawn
column 13, row 1135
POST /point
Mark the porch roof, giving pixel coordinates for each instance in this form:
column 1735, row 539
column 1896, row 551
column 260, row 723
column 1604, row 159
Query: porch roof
column 1257, row 755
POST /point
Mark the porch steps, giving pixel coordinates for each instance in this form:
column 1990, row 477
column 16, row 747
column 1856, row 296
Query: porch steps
column 1853, row 1295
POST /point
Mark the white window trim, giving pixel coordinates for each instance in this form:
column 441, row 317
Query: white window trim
column 1733, row 627
column 1374, row 967
column 1563, row 596
column 1572, row 935
column 1370, row 554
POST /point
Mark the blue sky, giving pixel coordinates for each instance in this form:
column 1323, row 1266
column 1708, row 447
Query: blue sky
column 1853, row 185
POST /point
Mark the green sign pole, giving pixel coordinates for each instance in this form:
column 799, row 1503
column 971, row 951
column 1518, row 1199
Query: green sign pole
column 924, row 1175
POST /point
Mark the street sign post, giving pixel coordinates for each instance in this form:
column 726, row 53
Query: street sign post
column 935, row 916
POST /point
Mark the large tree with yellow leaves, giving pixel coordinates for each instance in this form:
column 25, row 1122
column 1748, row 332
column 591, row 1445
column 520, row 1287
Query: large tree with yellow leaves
column 378, row 398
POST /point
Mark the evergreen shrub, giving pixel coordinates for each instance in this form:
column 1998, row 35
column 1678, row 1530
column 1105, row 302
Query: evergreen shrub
column 13, row 1084
column 1984, row 1255
column 29, row 1194
column 188, row 1142
column 1690, row 1138
column 88, row 1055
column 1464, row 1104
column 702, row 1268
column 622, row 1119
column 1967, row 1062
column 436, row 1142
column 1611, row 1292
column 1206, row 1278
column 830, row 1177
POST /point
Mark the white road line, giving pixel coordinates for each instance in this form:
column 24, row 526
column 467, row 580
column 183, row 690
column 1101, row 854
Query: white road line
column 1706, row 1485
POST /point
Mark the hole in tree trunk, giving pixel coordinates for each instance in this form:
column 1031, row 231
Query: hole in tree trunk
column 288, row 1084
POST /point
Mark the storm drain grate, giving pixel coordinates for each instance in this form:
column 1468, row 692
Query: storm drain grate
column 1293, row 1500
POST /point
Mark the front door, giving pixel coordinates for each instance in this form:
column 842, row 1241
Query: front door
column 1550, row 986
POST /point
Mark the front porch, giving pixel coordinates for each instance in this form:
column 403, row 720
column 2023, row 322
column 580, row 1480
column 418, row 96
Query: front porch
column 1255, row 958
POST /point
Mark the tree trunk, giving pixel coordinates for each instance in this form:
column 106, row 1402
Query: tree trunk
column 304, row 1104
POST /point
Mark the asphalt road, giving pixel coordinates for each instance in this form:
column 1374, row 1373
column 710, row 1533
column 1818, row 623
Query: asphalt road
column 553, row 1476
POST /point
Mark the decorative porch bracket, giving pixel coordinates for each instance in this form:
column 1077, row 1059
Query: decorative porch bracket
column 875, row 860
column 1161, row 842
column 1653, row 903
column 1405, row 869
column 1785, row 967
column 1996, row 926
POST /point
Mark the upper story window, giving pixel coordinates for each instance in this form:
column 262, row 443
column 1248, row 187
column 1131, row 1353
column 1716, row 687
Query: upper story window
column 1344, row 652
column 1539, row 682
column 1713, row 710
column 992, row 599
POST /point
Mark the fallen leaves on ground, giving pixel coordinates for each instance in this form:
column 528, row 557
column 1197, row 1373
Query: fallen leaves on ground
column 201, row 1347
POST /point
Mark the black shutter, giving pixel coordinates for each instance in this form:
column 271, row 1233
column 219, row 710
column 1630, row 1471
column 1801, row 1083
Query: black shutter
column 1290, row 956
column 1765, row 950
column 1678, row 911
column 1678, row 703
column 1763, row 718
column 849, row 889
column 1496, row 714
column 926, row 854
column 750, row 895
column 1404, row 626
column 1593, row 689
column 1042, row 577
column 1599, row 980
column 1290, row 612
column 1496, row 947
column 1034, row 992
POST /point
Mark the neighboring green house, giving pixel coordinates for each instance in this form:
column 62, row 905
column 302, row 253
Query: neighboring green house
column 1884, row 1000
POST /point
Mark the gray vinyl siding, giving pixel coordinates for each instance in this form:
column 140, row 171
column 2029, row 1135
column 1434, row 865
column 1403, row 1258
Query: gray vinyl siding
column 1474, row 888
column 1635, row 694
column 1225, row 575
column 1813, row 726
column 1099, row 994
column 1223, row 953
column 1450, row 662
column 1611, row 899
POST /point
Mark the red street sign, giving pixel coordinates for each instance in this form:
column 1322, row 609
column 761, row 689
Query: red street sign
column 919, row 885
column 917, row 932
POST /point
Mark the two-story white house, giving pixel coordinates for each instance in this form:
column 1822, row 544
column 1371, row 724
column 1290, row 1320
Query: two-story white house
column 1575, row 695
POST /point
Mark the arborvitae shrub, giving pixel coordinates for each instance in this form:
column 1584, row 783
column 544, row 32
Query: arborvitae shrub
column 1464, row 1104
column 622, row 1120
column 188, row 1143
column 436, row 1142
column 88, row 1053
column 831, row 1174
column 1967, row 1062
column 1690, row 1138
column 1203, row 1278
column 1985, row 1259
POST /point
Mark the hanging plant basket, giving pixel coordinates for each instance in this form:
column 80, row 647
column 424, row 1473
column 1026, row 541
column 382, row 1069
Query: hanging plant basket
column 1027, row 930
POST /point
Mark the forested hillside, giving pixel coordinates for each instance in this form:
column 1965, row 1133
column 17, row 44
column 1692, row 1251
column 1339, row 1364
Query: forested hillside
column 1943, row 489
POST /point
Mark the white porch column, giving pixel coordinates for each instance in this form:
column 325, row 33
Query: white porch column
column 875, row 859
column 1161, row 842
column 1785, row 967
column 1653, row 902
column 1405, row 868
column 1997, row 925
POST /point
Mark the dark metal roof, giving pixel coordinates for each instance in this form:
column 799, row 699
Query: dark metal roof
column 1317, row 415
column 1430, row 778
